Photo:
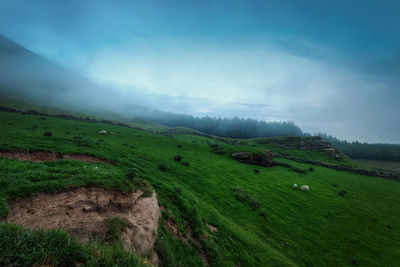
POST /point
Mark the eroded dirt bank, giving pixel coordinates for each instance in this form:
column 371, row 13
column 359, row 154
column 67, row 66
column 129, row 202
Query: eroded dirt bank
column 39, row 156
column 83, row 213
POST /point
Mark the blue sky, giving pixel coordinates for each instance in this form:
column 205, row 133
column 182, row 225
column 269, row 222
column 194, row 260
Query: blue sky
column 331, row 66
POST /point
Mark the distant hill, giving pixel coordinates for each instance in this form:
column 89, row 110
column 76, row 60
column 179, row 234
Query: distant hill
column 32, row 78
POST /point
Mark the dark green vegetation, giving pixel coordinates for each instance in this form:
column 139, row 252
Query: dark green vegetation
column 232, row 128
column 261, row 220
column 21, row 247
column 378, row 164
column 387, row 167
column 358, row 150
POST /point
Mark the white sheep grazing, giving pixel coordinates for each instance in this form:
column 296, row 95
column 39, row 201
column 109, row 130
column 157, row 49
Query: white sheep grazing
column 295, row 186
column 305, row 188
column 103, row 132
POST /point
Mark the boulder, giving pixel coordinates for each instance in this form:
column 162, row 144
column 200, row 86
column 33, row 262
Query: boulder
column 261, row 159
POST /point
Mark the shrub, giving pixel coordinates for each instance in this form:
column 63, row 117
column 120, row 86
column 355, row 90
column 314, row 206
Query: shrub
column 256, row 170
column 243, row 196
column 298, row 170
column 47, row 134
column 342, row 193
column 254, row 203
column 78, row 137
column 216, row 148
column 263, row 213
column 178, row 189
column 186, row 163
column 179, row 146
column 131, row 174
column 163, row 166
column 311, row 169
column 240, row 194
column 178, row 158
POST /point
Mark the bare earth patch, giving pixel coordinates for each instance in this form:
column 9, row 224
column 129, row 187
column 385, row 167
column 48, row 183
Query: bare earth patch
column 39, row 156
column 212, row 228
column 83, row 213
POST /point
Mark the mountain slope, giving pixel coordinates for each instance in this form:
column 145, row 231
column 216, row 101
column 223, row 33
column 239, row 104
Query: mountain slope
column 28, row 77
column 215, row 207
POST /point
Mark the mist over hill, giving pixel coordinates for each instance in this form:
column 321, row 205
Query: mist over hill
column 31, row 78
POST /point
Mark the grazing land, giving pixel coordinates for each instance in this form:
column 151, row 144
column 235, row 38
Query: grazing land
column 379, row 164
column 214, row 210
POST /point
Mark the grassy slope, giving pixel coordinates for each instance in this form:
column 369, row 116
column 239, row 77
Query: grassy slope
column 379, row 164
column 306, row 229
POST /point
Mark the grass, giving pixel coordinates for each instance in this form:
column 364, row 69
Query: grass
column 378, row 164
column 275, row 225
column 116, row 226
column 20, row 247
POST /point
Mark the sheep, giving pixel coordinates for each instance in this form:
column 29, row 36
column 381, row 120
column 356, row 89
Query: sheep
column 305, row 188
column 103, row 132
column 295, row 186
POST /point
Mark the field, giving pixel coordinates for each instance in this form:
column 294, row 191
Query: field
column 260, row 219
column 378, row 164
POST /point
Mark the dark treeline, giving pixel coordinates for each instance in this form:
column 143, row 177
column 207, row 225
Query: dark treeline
column 389, row 152
column 250, row 128
column 229, row 127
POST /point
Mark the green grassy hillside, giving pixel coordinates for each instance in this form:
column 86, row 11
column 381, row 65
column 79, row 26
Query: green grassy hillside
column 261, row 220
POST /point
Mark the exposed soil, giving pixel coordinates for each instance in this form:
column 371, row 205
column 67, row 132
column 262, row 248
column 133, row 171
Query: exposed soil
column 212, row 228
column 83, row 213
column 39, row 156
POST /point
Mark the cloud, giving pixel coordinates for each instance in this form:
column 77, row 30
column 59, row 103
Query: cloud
column 328, row 66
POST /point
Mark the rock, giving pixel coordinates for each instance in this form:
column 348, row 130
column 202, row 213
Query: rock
column 87, row 208
column 212, row 228
column 154, row 259
column 261, row 159
column 147, row 215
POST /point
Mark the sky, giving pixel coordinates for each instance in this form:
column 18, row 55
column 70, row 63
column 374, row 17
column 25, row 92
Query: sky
column 328, row 66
